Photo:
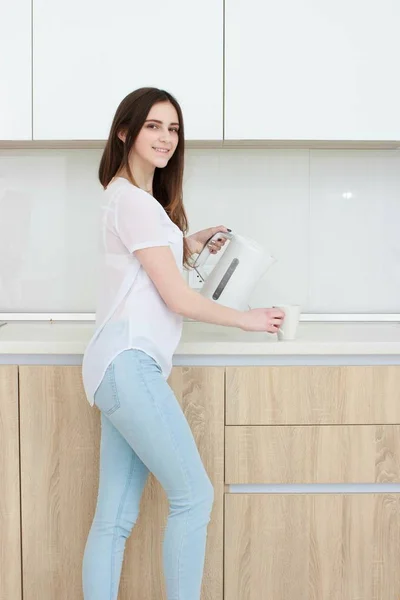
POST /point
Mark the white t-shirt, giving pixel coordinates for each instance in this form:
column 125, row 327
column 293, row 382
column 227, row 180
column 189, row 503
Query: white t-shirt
column 130, row 311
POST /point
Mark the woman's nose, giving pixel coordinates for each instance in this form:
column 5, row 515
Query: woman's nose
column 165, row 136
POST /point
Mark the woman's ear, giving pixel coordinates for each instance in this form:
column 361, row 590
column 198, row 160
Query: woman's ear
column 122, row 136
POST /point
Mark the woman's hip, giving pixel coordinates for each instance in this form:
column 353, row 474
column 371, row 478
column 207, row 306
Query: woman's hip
column 138, row 401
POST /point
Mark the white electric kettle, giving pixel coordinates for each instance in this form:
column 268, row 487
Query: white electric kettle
column 237, row 272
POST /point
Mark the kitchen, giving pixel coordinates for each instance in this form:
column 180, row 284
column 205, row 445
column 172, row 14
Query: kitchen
column 292, row 130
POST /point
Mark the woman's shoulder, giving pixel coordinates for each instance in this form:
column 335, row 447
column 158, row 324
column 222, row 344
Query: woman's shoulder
column 120, row 185
column 120, row 189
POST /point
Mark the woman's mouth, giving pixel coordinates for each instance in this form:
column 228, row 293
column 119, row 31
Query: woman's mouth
column 161, row 150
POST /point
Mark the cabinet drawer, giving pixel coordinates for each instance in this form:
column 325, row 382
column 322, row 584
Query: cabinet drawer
column 311, row 395
column 312, row 547
column 312, row 454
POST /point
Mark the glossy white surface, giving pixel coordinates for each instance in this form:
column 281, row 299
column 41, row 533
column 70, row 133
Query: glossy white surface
column 15, row 70
column 334, row 254
column 354, row 230
column 263, row 195
column 202, row 339
column 312, row 70
column 90, row 55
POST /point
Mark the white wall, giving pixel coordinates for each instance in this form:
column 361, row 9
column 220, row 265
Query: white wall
column 331, row 217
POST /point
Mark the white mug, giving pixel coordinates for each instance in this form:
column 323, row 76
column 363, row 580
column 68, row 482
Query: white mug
column 287, row 330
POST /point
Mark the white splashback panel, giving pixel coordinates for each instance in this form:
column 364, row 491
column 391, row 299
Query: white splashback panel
column 49, row 203
column 331, row 218
column 355, row 231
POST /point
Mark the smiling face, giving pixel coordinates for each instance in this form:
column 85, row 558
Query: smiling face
column 159, row 136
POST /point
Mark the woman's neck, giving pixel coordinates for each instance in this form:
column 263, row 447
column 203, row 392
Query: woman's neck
column 143, row 180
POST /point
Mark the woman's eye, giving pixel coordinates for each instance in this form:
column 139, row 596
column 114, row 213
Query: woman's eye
column 155, row 126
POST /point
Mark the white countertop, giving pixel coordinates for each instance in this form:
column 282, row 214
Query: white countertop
column 202, row 339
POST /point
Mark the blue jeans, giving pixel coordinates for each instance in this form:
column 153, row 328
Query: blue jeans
column 143, row 429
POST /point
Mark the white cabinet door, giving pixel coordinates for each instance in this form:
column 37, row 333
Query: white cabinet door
column 15, row 70
column 89, row 55
column 312, row 70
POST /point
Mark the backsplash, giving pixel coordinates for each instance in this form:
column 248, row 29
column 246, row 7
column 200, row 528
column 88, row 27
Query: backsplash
column 330, row 217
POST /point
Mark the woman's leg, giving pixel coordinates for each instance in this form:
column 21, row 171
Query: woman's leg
column 121, row 482
column 142, row 407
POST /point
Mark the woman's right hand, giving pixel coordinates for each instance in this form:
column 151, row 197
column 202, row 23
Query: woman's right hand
column 262, row 319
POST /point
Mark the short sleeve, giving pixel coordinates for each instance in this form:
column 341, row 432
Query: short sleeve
column 138, row 221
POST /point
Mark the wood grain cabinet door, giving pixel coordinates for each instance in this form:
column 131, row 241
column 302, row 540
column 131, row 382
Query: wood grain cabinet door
column 312, row 547
column 313, row 395
column 10, row 531
column 60, row 435
column 312, row 454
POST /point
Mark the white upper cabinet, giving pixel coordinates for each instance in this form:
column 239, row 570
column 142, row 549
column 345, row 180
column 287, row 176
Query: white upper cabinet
column 15, row 70
column 312, row 70
column 88, row 55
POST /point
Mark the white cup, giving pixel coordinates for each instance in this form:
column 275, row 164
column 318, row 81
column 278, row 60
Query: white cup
column 287, row 330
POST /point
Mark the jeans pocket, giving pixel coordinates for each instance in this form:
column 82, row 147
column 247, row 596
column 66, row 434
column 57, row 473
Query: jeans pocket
column 106, row 398
column 147, row 363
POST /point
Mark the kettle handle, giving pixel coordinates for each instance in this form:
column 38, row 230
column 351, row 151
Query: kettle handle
column 205, row 253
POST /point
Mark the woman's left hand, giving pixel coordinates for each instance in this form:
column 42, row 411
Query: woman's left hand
column 197, row 240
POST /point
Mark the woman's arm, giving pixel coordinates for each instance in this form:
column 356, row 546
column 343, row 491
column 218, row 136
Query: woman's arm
column 193, row 245
column 159, row 263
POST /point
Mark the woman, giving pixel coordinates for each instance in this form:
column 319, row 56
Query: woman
column 142, row 300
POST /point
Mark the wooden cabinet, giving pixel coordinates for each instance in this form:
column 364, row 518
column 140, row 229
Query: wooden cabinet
column 318, row 425
column 308, row 395
column 284, row 425
column 59, row 477
column 90, row 55
column 10, row 530
column 15, row 71
column 313, row 454
column 312, row 547
column 311, row 70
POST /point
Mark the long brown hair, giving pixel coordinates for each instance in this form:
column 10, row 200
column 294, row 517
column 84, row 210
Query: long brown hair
column 129, row 118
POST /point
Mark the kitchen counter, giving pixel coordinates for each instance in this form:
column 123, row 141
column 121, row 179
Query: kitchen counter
column 203, row 340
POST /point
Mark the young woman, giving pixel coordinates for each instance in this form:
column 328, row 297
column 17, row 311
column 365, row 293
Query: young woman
column 142, row 299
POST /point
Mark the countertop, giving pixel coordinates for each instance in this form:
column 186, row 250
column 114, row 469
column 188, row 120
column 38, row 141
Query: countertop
column 202, row 339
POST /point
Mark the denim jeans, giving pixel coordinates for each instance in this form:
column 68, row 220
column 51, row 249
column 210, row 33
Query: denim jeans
column 143, row 429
